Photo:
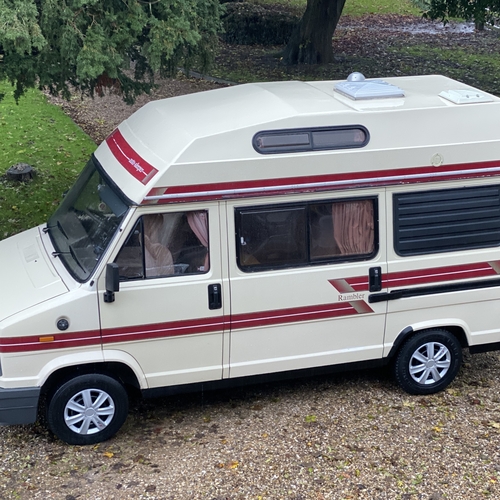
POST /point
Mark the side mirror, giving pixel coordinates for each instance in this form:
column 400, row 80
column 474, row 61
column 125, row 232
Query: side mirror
column 112, row 282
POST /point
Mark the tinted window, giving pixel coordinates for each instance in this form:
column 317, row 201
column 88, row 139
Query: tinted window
column 274, row 237
column 312, row 139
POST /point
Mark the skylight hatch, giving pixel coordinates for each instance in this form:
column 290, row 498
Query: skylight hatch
column 358, row 88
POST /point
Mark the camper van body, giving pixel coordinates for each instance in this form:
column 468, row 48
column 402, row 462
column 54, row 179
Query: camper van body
column 299, row 225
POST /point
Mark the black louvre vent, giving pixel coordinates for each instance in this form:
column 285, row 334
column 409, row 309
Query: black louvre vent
column 447, row 220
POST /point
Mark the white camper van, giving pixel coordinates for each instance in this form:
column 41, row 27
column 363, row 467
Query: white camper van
column 264, row 228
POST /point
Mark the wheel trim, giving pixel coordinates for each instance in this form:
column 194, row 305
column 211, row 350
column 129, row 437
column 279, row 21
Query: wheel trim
column 89, row 411
column 430, row 363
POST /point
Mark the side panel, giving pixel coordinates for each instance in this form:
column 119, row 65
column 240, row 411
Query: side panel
column 165, row 322
column 299, row 317
column 32, row 346
column 455, row 286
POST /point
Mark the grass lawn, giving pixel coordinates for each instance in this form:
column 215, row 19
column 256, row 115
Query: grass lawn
column 40, row 134
column 358, row 7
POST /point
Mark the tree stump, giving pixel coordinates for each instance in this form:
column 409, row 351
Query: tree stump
column 20, row 172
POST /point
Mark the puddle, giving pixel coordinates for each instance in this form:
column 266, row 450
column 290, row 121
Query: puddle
column 436, row 28
column 418, row 28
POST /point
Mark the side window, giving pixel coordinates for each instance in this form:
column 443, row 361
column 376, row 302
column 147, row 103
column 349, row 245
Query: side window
column 272, row 237
column 280, row 236
column 345, row 228
column 166, row 245
column 446, row 220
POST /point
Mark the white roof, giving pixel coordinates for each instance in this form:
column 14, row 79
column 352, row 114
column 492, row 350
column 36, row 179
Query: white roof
column 217, row 127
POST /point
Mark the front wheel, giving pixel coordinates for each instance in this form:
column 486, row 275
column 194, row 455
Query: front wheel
column 87, row 409
column 428, row 362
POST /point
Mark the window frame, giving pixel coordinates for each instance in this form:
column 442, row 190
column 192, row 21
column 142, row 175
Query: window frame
column 329, row 260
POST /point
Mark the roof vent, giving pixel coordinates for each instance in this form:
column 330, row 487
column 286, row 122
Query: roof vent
column 465, row 96
column 357, row 87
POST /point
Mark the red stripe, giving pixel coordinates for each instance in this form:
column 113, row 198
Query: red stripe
column 61, row 340
column 161, row 330
column 264, row 187
column 248, row 320
column 177, row 328
column 130, row 159
column 438, row 274
column 359, row 283
column 292, row 315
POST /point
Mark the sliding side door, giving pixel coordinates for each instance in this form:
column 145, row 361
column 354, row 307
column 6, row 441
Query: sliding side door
column 301, row 273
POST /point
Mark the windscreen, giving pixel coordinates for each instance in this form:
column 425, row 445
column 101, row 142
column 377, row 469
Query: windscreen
column 85, row 222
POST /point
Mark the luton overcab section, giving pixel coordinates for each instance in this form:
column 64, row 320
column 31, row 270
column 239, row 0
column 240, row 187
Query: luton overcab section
column 256, row 230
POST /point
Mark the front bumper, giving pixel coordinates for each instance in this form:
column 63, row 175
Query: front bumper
column 19, row 406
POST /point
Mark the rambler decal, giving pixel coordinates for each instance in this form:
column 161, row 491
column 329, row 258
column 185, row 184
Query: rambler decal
column 343, row 297
column 129, row 159
column 246, row 189
column 354, row 296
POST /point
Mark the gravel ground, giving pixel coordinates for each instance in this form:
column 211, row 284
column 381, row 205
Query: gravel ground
column 348, row 436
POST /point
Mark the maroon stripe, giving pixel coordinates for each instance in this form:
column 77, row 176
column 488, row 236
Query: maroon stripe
column 248, row 320
column 160, row 330
column 203, row 192
column 61, row 340
column 438, row 274
column 292, row 315
column 130, row 159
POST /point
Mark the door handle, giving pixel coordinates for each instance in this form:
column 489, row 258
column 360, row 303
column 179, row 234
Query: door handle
column 375, row 283
column 215, row 296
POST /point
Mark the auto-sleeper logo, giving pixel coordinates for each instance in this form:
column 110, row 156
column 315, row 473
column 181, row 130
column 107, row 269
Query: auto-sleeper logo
column 130, row 159
column 137, row 166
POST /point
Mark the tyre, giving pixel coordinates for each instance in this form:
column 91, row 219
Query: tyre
column 428, row 362
column 87, row 409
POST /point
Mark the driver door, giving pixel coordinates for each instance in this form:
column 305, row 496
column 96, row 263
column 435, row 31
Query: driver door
column 168, row 315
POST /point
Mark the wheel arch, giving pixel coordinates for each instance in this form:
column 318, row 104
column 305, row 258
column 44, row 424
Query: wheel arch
column 456, row 328
column 117, row 370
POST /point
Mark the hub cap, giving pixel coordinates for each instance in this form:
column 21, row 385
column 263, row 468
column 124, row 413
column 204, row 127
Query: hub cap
column 429, row 363
column 89, row 411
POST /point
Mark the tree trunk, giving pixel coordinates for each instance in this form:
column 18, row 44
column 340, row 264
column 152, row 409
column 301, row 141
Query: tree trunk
column 311, row 42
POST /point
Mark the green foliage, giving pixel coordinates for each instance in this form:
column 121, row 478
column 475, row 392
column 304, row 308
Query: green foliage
column 247, row 23
column 480, row 11
column 91, row 44
column 40, row 134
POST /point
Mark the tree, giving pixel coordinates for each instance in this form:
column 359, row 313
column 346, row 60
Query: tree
column 94, row 44
column 311, row 43
column 480, row 11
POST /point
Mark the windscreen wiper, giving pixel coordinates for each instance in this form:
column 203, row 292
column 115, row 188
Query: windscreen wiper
column 59, row 226
column 73, row 254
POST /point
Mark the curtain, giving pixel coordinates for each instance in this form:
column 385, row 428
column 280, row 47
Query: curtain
column 159, row 261
column 353, row 227
column 198, row 222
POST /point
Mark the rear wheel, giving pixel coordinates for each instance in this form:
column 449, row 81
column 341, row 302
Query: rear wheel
column 87, row 409
column 428, row 362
